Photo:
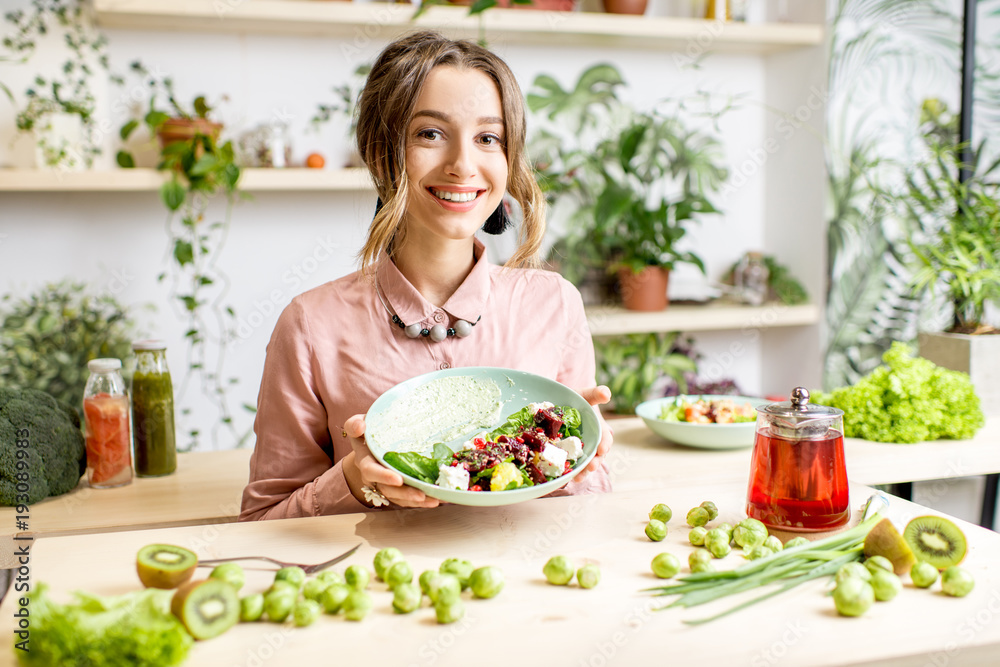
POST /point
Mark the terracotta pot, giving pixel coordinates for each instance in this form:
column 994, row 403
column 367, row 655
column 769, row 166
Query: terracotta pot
column 184, row 129
column 646, row 290
column 634, row 7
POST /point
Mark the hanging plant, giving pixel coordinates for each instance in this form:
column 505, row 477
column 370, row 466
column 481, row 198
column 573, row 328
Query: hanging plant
column 201, row 169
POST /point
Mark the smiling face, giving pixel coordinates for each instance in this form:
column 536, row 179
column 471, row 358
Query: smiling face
column 456, row 164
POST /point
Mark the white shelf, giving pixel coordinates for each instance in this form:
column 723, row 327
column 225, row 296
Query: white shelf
column 613, row 320
column 513, row 26
column 149, row 180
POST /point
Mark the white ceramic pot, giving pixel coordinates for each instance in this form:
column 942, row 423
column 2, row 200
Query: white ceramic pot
column 979, row 356
column 59, row 143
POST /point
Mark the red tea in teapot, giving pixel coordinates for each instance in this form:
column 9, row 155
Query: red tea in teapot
column 798, row 485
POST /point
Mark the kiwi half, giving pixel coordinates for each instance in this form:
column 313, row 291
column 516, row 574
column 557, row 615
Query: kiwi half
column 885, row 540
column 165, row 565
column 936, row 540
column 207, row 607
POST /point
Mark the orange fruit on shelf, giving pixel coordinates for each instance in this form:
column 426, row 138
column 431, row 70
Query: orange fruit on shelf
column 315, row 161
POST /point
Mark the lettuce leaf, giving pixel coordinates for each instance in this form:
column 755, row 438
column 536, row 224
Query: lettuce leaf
column 136, row 629
column 415, row 465
column 514, row 423
column 571, row 421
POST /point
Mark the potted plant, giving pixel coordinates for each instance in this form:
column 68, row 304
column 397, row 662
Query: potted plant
column 636, row 179
column 347, row 98
column 58, row 108
column 200, row 168
column 956, row 243
column 632, row 365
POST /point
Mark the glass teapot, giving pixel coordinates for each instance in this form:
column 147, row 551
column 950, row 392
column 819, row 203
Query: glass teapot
column 798, row 479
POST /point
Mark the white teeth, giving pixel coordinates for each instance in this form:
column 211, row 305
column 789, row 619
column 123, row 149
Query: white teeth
column 458, row 197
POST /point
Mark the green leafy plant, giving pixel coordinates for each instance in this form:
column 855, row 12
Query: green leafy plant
column 67, row 91
column 782, row 285
column 630, row 365
column 636, row 179
column 346, row 100
column 201, row 168
column 47, row 338
column 956, row 236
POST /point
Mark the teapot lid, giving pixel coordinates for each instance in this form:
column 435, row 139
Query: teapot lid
column 797, row 418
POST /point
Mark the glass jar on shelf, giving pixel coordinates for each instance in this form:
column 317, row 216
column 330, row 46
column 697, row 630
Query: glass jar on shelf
column 106, row 416
column 750, row 279
column 153, row 411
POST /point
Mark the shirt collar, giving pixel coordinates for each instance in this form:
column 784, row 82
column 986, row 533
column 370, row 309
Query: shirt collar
column 467, row 303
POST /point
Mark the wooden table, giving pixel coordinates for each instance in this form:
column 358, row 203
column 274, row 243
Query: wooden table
column 208, row 485
column 534, row 623
column 206, row 489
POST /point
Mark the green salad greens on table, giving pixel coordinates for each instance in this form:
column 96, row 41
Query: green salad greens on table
column 718, row 411
column 536, row 444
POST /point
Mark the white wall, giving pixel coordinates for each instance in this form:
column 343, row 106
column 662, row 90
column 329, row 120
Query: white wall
column 97, row 237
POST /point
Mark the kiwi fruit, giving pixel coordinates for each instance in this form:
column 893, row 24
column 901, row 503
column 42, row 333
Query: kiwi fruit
column 206, row 608
column 165, row 565
column 936, row 540
column 884, row 540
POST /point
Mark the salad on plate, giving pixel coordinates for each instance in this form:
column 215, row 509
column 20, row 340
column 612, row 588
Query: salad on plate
column 537, row 444
column 717, row 411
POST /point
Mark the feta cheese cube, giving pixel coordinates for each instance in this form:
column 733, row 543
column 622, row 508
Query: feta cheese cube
column 535, row 407
column 453, row 477
column 572, row 445
column 551, row 460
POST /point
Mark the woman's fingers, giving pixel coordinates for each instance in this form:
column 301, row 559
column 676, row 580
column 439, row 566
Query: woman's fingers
column 388, row 482
column 598, row 395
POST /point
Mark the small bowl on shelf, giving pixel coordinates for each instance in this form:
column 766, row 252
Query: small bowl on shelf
column 700, row 435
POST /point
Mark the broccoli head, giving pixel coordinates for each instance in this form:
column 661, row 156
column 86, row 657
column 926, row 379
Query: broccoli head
column 55, row 456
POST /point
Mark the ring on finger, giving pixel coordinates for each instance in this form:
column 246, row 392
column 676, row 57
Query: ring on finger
column 374, row 496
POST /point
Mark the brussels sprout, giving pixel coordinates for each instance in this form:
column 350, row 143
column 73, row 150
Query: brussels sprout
column 461, row 568
column 957, row 582
column 923, row 574
column 760, row 551
column 294, row 575
column 559, row 570
column 696, row 536
column 330, row 577
column 697, row 516
column 728, row 528
column 853, row 596
column 588, row 576
column 312, row 588
column 305, row 612
column 486, row 582
column 357, row 605
column 700, row 560
column 773, row 543
column 854, row 569
column 712, row 510
column 796, row 542
column 878, row 563
column 398, row 573
column 384, row 559
column 656, row 530
column 425, row 579
column 449, row 610
column 282, row 585
column 885, row 584
column 333, row 596
column 406, row 598
column 661, row 512
column 665, row 565
column 717, row 542
column 357, row 577
column 231, row 573
column 749, row 533
column 443, row 586
column 278, row 604
column 252, row 607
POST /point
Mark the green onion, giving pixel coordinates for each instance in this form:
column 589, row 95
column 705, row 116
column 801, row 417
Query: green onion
column 786, row 569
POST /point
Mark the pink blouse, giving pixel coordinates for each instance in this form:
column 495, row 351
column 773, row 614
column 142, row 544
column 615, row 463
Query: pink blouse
column 334, row 351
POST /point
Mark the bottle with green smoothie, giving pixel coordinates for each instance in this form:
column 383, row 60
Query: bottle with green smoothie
column 153, row 411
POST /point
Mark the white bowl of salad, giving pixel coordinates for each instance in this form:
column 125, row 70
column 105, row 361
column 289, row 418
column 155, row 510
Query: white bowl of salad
column 707, row 421
column 483, row 436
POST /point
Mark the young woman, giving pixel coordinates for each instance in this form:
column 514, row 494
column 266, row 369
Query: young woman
column 441, row 128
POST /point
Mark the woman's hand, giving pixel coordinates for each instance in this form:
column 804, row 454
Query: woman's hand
column 361, row 468
column 598, row 396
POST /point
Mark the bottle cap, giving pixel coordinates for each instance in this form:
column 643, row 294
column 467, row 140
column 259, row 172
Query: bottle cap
column 149, row 344
column 104, row 365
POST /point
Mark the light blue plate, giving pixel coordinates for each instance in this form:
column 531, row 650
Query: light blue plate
column 703, row 436
column 517, row 389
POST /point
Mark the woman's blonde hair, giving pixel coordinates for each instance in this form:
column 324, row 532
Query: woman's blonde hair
column 384, row 111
